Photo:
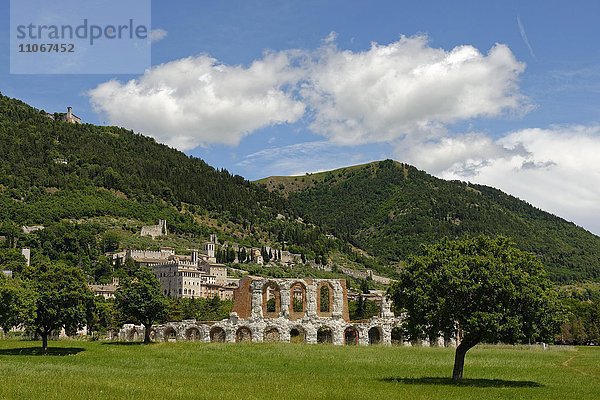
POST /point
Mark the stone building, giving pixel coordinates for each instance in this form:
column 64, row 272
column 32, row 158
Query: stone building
column 155, row 230
column 106, row 291
column 69, row 117
column 192, row 278
column 288, row 310
column 185, row 276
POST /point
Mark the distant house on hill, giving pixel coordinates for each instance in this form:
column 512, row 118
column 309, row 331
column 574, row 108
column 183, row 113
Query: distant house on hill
column 106, row 291
column 69, row 117
column 66, row 117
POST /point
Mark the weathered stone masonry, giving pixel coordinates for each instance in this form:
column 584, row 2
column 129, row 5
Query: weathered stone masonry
column 287, row 310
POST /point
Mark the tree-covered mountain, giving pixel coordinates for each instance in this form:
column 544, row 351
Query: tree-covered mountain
column 390, row 209
column 90, row 184
column 38, row 153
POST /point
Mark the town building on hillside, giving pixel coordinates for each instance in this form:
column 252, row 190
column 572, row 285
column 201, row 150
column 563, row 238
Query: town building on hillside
column 30, row 229
column 106, row 291
column 185, row 276
column 192, row 277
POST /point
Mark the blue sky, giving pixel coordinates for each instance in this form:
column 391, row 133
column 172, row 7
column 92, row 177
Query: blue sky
column 500, row 93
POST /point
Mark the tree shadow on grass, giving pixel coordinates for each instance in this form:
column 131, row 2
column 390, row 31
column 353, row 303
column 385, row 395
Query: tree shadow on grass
column 38, row 351
column 498, row 383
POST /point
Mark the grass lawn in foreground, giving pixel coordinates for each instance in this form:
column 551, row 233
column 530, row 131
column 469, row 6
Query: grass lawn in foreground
column 97, row 370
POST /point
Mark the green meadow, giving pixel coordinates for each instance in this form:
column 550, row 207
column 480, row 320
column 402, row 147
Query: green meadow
column 97, row 370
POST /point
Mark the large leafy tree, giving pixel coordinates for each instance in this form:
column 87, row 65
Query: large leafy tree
column 485, row 289
column 17, row 303
column 139, row 298
column 62, row 298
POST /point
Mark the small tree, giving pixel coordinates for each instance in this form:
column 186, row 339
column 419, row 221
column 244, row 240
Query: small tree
column 17, row 303
column 140, row 299
column 486, row 289
column 62, row 299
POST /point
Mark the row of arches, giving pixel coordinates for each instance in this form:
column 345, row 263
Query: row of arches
column 297, row 334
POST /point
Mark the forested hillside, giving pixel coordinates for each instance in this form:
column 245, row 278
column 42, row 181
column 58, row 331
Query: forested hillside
column 112, row 180
column 93, row 188
column 390, row 209
column 39, row 153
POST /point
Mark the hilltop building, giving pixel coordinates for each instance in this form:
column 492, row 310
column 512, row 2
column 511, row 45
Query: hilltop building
column 69, row 117
column 65, row 117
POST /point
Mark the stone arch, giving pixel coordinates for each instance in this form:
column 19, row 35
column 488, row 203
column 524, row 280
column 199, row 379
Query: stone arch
column 397, row 336
column 297, row 300
column 324, row 335
column 133, row 335
column 243, row 334
column 169, row 334
column 217, row 334
column 351, row 336
column 272, row 335
column 297, row 335
column 375, row 334
column 271, row 300
column 193, row 334
column 325, row 299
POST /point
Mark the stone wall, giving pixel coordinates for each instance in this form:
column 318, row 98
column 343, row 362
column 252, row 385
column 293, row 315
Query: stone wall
column 287, row 310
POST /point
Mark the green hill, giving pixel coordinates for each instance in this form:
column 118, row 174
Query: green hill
column 390, row 209
column 92, row 185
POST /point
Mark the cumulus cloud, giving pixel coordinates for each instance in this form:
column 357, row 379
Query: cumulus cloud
column 556, row 169
column 156, row 35
column 463, row 155
column 388, row 92
column 196, row 101
column 407, row 88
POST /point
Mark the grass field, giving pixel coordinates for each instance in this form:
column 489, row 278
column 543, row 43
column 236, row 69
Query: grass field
column 96, row 370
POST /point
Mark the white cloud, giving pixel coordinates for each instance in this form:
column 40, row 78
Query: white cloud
column 407, row 88
column 196, row 101
column 300, row 158
column 556, row 169
column 403, row 89
column 463, row 155
column 156, row 35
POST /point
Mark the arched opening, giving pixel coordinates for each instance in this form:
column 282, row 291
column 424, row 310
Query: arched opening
column 397, row 336
column 351, row 336
column 243, row 334
column 192, row 334
column 297, row 335
column 297, row 301
column 153, row 335
column 374, row 335
column 324, row 335
column 271, row 300
column 169, row 334
column 324, row 299
column 271, row 335
column 133, row 335
column 217, row 334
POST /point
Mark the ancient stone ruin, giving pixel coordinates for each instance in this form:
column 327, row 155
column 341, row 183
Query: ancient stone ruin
column 287, row 310
column 155, row 230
